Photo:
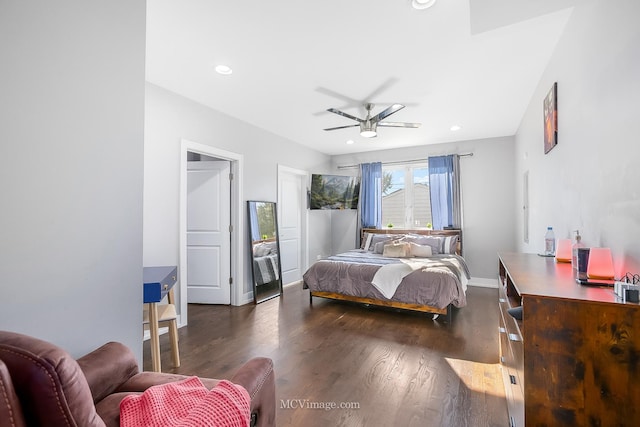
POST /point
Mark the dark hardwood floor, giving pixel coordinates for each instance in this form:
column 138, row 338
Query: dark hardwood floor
column 384, row 367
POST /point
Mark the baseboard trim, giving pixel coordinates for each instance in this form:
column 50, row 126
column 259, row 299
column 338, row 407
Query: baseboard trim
column 481, row 282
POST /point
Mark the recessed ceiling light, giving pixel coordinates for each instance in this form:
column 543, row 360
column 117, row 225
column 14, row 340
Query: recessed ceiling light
column 351, row 141
column 224, row 69
column 455, row 128
column 422, row 4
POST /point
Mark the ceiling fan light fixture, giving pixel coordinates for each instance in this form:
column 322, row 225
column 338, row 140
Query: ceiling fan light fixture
column 369, row 125
column 422, row 4
column 368, row 129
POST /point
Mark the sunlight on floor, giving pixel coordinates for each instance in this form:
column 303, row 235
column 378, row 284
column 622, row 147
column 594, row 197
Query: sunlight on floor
column 476, row 376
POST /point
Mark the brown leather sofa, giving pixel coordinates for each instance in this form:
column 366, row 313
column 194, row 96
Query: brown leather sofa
column 42, row 385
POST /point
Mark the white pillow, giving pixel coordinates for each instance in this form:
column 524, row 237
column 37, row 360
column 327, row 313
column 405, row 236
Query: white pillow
column 420, row 250
column 367, row 241
column 397, row 250
column 261, row 249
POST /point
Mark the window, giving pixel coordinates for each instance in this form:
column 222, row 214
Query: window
column 405, row 196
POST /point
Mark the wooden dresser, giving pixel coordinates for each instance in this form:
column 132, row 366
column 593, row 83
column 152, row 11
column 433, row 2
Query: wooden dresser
column 574, row 358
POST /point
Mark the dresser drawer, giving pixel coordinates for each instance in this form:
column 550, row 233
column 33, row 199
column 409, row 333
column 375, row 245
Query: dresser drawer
column 512, row 361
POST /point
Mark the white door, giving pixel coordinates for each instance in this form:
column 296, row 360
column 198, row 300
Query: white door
column 292, row 205
column 208, row 235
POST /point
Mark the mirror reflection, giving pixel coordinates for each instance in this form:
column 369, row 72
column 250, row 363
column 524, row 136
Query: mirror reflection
column 265, row 250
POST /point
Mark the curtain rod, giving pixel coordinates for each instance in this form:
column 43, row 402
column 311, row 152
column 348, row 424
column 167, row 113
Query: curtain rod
column 400, row 162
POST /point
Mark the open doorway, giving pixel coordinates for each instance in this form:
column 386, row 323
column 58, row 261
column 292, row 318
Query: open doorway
column 195, row 248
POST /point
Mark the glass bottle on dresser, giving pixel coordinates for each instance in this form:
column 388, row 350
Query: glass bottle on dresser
column 574, row 250
column 549, row 242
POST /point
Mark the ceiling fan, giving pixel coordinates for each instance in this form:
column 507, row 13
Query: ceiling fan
column 369, row 125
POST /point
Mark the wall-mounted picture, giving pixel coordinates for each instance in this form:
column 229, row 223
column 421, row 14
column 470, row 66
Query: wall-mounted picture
column 334, row 192
column 550, row 107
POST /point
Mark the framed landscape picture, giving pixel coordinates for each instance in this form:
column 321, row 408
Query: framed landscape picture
column 334, row 192
column 550, row 108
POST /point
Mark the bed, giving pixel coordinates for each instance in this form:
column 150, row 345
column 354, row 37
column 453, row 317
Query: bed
column 417, row 270
column 265, row 262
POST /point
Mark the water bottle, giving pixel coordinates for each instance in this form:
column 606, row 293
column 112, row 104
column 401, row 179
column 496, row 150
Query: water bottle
column 549, row 242
column 574, row 251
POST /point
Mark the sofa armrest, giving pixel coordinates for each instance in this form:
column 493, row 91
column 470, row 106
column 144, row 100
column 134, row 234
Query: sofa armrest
column 258, row 378
column 10, row 409
column 108, row 367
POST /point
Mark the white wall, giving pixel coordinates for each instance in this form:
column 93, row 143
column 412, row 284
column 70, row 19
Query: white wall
column 344, row 230
column 591, row 180
column 171, row 117
column 487, row 194
column 71, row 156
column 321, row 233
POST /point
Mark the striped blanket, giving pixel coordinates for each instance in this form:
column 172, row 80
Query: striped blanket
column 265, row 269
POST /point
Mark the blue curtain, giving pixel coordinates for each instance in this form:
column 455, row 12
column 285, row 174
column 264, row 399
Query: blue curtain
column 444, row 186
column 371, row 195
column 253, row 220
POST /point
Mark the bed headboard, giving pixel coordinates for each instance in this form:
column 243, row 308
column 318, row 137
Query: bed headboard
column 424, row 232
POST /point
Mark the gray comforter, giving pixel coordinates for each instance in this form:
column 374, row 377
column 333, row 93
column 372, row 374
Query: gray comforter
column 442, row 283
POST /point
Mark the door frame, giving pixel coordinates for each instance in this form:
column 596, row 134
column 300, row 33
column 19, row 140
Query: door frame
column 237, row 272
column 304, row 219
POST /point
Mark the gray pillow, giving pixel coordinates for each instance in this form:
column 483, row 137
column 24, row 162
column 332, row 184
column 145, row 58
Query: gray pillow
column 381, row 238
column 434, row 241
column 450, row 244
column 379, row 248
column 439, row 244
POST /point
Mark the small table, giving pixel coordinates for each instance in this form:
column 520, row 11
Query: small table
column 158, row 283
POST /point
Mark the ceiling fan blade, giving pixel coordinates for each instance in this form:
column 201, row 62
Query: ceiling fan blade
column 351, row 102
column 342, row 127
column 399, row 125
column 342, row 113
column 386, row 113
column 380, row 89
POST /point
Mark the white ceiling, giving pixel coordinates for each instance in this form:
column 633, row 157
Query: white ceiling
column 476, row 66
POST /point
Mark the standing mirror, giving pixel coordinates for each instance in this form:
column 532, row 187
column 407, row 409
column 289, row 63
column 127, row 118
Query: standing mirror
column 265, row 250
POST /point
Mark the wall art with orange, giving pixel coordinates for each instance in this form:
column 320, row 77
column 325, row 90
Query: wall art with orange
column 550, row 107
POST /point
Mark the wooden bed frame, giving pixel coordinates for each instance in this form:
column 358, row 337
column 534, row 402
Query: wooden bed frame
column 447, row 311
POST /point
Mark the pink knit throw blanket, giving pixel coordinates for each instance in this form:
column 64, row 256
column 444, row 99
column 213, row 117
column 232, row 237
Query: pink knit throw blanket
column 187, row 403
